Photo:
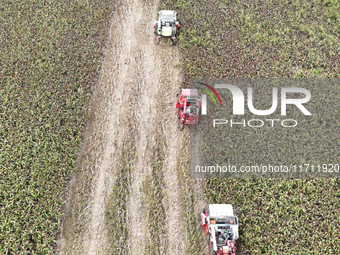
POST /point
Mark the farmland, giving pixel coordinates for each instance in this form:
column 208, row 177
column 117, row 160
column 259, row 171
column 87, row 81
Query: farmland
column 49, row 61
column 132, row 193
column 261, row 39
column 82, row 167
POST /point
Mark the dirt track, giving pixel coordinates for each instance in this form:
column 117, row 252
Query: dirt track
column 132, row 193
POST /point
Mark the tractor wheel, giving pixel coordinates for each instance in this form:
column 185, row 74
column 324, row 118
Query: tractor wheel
column 157, row 41
column 210, row 247
column 156, row 28
column 209, row 243
column 181, row 126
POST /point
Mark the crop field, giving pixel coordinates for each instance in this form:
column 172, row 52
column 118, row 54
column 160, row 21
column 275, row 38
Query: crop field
column 130, row 170
column 50, row 55
column 258, row 39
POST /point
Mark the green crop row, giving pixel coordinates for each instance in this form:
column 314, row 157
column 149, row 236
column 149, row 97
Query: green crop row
column 50, row 55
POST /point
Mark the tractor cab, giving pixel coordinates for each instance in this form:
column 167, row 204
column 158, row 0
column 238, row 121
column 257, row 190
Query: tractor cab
column 167, row 25
column 188, row 105
column 224, row 230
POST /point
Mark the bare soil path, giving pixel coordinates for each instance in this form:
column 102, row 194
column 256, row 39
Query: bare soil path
column 133, row 104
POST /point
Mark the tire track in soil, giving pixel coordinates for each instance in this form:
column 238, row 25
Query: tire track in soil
column 84, row 230
column 136, row 117
column 124, row 50
column 155, row 125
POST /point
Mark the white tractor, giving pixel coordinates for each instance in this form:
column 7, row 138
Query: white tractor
column 167, row 26
column 220, row 223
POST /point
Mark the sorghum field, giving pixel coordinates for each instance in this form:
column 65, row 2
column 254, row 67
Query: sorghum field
column 50, row 58
column 250, row 39
column 50, row 55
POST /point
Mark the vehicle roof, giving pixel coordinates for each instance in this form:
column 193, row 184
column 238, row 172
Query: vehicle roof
column 167, row 13
column 220, row 210
column 189, row 92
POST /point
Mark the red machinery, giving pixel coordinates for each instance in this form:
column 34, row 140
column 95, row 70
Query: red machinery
column 188, row 106
column 221, row 225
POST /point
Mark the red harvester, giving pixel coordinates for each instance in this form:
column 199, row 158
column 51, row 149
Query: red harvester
column 188, row 107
